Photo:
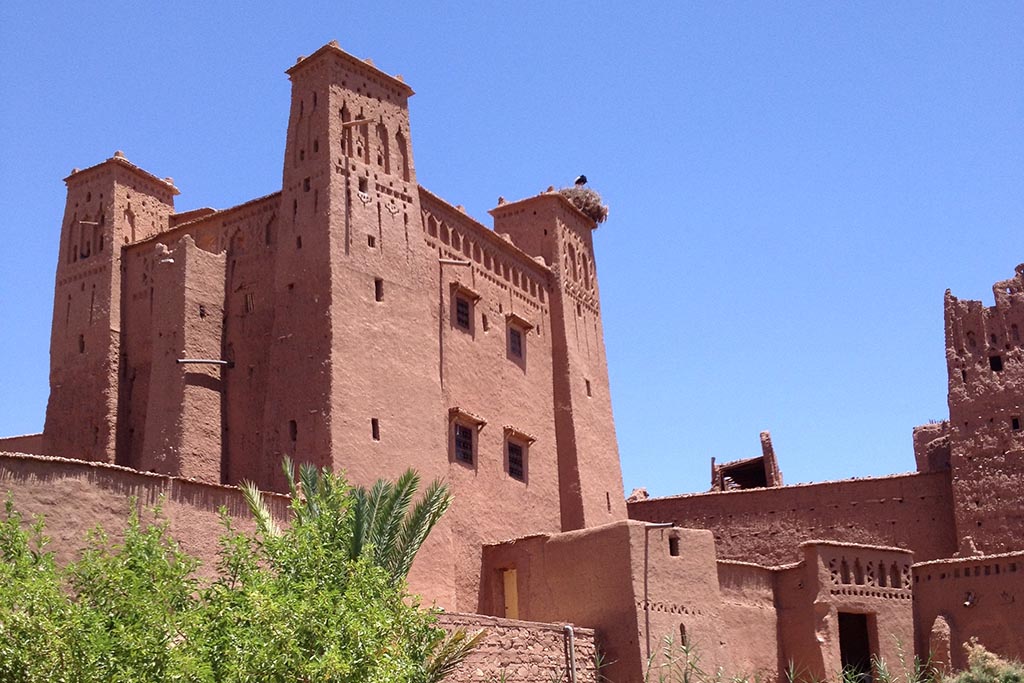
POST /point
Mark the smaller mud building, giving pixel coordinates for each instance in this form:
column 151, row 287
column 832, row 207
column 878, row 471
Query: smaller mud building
column 358, row 321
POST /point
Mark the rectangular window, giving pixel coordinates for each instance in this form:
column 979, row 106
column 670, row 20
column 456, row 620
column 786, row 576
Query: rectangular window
column 589, row 391
column 516, row 462
column 996, row 363
column 378, row 289
column 250, row 302
column 1015, row 423
column 375, row 428
column 463, row 443
column 462, row 312
column 515, row 342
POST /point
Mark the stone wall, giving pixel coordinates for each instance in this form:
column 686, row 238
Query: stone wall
column 523, row 651
column 766, row 526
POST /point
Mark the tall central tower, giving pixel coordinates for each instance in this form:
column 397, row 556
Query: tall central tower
column 353, row 320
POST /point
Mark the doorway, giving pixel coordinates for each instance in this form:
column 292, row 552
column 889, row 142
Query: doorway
column 855, row 646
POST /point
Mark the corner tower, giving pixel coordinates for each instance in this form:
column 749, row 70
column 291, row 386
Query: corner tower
column 353, row 317
column 108, row 206
column 590, row 478
column 985, row 361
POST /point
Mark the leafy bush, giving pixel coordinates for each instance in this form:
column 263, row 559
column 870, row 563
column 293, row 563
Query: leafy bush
column 302, row 603
column 986, row 667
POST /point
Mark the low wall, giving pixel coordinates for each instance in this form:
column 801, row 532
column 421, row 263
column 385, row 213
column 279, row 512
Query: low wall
column 26, row 443
column 75, row 495
column 766, row 526
column 522, row 651
column 980, row 596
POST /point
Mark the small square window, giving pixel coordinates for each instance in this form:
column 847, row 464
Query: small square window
column 996, row 363
column 371, row 241
column 463, row 443
column 516, row 461
column 462, row 312
column 515, row 342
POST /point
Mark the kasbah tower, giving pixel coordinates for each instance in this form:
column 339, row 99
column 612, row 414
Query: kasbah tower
column 357, row 321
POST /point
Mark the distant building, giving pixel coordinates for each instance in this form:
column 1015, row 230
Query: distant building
column 358, row 321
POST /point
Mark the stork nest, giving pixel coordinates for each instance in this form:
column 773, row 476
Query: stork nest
column 588, row 201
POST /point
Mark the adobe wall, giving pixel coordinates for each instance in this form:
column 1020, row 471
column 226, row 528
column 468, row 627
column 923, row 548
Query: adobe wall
column 74, row 496
column 25, row 443
column 548, row 226
column 980, row 596
column 247, row 234
column 557, row 579
column 637, row 585
column 749, row 622
column 100, row 492
column 985, row 363
column 766, row 526
column 503, row 398
column 522, row 651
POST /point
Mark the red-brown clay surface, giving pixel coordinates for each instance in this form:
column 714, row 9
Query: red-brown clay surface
column 359, row 321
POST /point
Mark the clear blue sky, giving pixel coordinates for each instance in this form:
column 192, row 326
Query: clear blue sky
column 793, row 185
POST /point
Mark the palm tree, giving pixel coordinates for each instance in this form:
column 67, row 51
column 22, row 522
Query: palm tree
column 378, row 523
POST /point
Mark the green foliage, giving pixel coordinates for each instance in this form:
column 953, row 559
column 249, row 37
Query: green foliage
column 302, row 603
column 986, row 667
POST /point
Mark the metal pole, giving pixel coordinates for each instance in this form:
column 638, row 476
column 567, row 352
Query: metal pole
column 204, row 361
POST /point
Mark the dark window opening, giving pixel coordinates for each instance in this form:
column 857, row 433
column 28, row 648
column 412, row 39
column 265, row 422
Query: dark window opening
column 293, row 431
column 516, row 462
column 81, row 343
column 996, row 363
column 250, row 302
column 673, row 546
column 855, row 647
column 305, row 185
column 375, row 428
column 487, row 324
column 202, row 311
column 464, row 444
column 462, row 313
column 1015, row 423
column 298, row 241
column 589, row 391
column 371, row 241
column 364, row 184
column 378, row 289
column 515, row 342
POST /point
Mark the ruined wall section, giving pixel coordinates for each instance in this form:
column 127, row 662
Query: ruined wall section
column 985, row 361
column 550, row 227
column 957, row 598
column 109, row 205
column 183, row 431
column 766, row 526
column 516, row 651
column 496, row 389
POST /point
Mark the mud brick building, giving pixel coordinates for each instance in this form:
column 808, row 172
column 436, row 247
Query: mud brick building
column 356, row 320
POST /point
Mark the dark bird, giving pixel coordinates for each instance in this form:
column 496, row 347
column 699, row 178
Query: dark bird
column 581, row 180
